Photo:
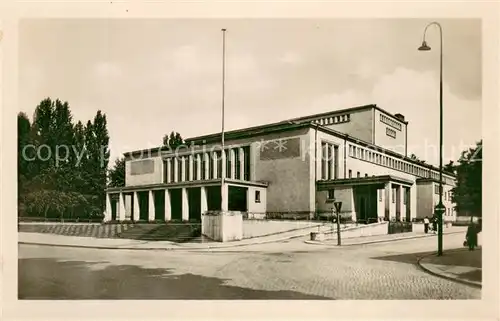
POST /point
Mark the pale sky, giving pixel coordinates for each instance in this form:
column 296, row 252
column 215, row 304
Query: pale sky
column 154, row 76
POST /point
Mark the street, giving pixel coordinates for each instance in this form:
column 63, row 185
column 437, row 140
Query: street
column 285, row 270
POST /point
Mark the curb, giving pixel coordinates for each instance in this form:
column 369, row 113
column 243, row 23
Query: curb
column 179, row 248
column 376, row 241
column 446, row 275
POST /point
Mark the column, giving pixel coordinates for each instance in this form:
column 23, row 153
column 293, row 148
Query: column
column 185, row 205
column 399, row 202
column 169, row 170
column 204, row 206
column 168, row 209
column 224, row 198
column 151, row 204
column 136, row 213
column 198, row 167
column 233, row 165
column 190, row 167
column 121, row 207
column 214, row 165
column 206, row 159
column 108, row 213
column 388, row 200
column 182, row 174
column 176, row 169
column 242, row 163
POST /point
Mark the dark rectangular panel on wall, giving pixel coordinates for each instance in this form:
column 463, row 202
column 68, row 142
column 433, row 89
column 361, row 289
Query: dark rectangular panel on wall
column 141, row 167
column 280, row 148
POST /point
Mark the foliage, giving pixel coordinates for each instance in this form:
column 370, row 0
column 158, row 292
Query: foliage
column 467, row 194
column 173, row 140
column 117, row 173
column 414, row 157
column 62, row 167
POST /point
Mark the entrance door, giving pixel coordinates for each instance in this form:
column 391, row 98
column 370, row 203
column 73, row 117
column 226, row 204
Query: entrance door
column 194, row 199
column 362, row 208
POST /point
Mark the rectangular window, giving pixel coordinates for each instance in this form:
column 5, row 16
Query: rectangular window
column 228, row 163
column 323, row 161
column 350, row 173
column 330, row 168
column 358, row 174
column 203, row 166
column 257, row 196
column 366, row 175
column 331, row 194
column 195, row 167
column 218, row 157
column 172, row 169
column 336, row 162
column 186, row 164
column 179, row 170
column 390, row 132
column 405, row 196
column 237, row 165
column 444, row 195
column 246, row 163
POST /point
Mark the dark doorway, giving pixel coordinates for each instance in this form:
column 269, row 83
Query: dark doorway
column 194, row 199
column 176, row 204
column 143, row 205
column 159, row 199
column 365, row 200
column 362, row 209
column 213, row 198
column 237, row 198
column 408, row 204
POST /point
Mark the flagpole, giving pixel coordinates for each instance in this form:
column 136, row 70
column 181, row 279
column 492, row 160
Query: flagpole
column 223, row 157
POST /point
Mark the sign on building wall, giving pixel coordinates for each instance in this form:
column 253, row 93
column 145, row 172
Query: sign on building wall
column 279, row 148
column 146, row 166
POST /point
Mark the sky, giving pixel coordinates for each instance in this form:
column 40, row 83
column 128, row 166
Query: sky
column 151, row 77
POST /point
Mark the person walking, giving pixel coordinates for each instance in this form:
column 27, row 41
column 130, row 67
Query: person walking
column 471, row 236
column 434, row 223
column 426, row 225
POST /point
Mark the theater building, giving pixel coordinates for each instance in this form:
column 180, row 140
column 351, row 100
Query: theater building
column 288, row 169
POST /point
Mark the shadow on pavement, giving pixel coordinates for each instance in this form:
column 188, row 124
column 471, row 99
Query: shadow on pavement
column 408, row 258
column 75, row 280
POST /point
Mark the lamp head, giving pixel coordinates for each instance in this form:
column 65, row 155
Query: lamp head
column 424, row 47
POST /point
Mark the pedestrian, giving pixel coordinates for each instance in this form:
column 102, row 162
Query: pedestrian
column 434, row 223
column 426, row 225
column 471, row 236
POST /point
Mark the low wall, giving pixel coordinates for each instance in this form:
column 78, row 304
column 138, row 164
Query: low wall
column 361, row 230
column 222, row 226
column 255, row 228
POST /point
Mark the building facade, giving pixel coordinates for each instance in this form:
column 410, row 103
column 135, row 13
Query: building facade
column 289, row 169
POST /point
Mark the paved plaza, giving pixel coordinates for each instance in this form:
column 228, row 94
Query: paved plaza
column 283, row 270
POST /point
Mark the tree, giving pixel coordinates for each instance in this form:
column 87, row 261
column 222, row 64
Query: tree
column 117, row 173
column 450, row 167
column 467, row 194
column 173, row 141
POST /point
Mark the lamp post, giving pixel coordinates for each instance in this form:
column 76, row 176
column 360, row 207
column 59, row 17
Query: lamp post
column 223, row 157
column 440, row 207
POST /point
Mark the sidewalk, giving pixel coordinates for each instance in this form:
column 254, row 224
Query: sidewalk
column 384, row 238
column 129, row 244
column 460, row 265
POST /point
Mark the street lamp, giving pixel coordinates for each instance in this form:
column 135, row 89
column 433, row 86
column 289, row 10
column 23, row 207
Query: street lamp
column 440, row 207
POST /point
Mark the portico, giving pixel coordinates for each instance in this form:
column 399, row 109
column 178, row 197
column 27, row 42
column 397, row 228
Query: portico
column 185, row 201
column 369, row 199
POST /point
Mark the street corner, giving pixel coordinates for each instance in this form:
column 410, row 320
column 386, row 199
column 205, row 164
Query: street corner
column 458, row 265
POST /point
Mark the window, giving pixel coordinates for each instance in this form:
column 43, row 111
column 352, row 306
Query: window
column 211, row 166
column 380, row 193
column 350, row 173
column 186, row 164
column 358, row 174
column 336, row 162
column 228, row 163
column 390, row 132
column 331, row 194
column 246, row 163
column 444, row 195
column 436, row 189
column 393, row 195
column 195, row 169
column 203, row 166
column 366, row 175
column 219, row 164
column 237, row 164
column 405, row 196
column 172, row 169
column 329, row 168
column 257, row 196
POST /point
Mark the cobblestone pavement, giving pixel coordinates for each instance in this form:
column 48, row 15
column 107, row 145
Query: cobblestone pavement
column 286, row 270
